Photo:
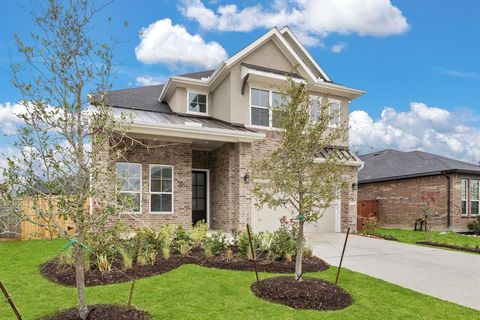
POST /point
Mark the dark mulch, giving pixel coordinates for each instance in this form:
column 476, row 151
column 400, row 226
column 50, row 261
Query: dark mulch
column 379, row 236
column 63, row 274
column 449, row 246
column 102, row 312
column 310, row 293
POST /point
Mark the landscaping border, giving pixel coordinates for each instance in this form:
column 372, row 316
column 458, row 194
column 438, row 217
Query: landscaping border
column 448, row 246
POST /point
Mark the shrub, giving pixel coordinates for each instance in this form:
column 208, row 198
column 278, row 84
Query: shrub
column 307, row 252
column 184, row 247
column 261, row 243
column 199, row 233
column 229, row 254
column 148, row 237
column 87, row 265
column 208, row 251
column 67, row 258
column 182, row 236
column 217, row 242
column 106, row 243
column 370, row 225
column 103, row 263
column 166, row 236
column 152, row 257
column 474, row 226
column 283, row 241
column 126, row 259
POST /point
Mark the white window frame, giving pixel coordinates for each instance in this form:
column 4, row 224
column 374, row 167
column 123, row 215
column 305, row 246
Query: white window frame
column 157, row 192
column 471, row 196
column 139, row 192
column 467, row 186
column 330, row 101
column 269, row 108
column 206, row 103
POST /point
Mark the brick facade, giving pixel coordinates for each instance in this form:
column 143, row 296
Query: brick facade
column 400, row 202
column 230, row 196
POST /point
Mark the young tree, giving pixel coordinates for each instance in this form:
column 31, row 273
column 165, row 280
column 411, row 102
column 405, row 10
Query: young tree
column 55, row 166
column 292, row 175
column 430, row 207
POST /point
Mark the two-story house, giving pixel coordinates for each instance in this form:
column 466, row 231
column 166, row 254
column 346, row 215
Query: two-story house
column 208, row 127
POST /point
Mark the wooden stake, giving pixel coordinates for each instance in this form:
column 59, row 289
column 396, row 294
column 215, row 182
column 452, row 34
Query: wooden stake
column 131, row 293
column 10, row 301
column 254, row 258
column 341, row 258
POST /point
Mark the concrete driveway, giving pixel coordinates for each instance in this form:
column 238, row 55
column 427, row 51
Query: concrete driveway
column 448, row 275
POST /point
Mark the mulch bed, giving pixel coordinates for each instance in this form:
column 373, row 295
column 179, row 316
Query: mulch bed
column 449, row 246
column 102, row 312
column 64, row 274
column 310, row 293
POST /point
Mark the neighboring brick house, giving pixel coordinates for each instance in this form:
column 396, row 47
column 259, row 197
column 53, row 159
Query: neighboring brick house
column 214, row 124
column 398, row 180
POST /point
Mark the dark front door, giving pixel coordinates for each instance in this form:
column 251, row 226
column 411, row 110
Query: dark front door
column 199, row 196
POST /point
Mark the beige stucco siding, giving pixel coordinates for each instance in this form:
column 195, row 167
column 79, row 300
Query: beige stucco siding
column 219, row 104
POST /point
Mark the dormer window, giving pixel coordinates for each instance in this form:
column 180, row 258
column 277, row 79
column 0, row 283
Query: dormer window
column 197, row 102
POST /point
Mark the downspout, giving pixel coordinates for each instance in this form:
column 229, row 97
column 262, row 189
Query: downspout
column 449, row 191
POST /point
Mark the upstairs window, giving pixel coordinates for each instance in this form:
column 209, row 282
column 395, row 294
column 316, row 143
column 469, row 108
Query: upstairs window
column 262, row 102
column 315, row 108
column 464, row 196
column 197, row 102
column 260, row 111
column 129, row 186
column 474, row 197
column 335, row 112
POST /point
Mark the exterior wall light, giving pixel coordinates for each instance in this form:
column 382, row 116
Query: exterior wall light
column 246, row 178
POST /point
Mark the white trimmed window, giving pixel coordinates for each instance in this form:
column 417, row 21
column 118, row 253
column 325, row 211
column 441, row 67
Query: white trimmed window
column 197, row 102
column 474, row 197
column 129, row 177
column 315, row 108
column 260, row 111
column 161, row 188
column 335, row 112
column 464, row 196
column 262, row 102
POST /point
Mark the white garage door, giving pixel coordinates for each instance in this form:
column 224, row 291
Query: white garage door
column 266, row 219
column 329, row 222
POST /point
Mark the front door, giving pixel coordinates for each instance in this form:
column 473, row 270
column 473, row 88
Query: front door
column 199, row 196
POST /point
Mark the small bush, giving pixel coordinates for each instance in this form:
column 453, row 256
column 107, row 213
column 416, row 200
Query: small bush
column 184, row 247
column 181, row 237
column 141, row 260
column 229, row 254
column 261, row 243
column 307, row 252
column 152, row 257
column 127, row 260
column 218, row 243
column 148, row 237
column 283, row 241
column 87, row 264
column 166, row 253
column 208, row 252
column 103, row 264
column 199, row 233
column 474, row 226
column 67, row 257
column 166, row 237
column 370, row 225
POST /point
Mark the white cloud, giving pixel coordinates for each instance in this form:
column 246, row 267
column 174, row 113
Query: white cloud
column 425, row 128
column 8, row 117
column 310, row 19
column 149, row 81
column 458, row 73
column 338, row 47
column 164, row 43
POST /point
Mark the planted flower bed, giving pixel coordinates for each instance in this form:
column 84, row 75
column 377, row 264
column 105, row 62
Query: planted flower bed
column 113, row 259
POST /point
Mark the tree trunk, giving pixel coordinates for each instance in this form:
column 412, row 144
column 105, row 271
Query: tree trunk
column 299, row 255
column 80, row 281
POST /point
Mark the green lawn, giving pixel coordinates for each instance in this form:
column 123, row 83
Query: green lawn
column 453, row 238
column 194, row 292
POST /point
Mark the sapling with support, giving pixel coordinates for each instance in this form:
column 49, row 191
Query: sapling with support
column 293, row 177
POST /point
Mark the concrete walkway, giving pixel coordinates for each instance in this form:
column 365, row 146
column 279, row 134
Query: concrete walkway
column 448, row 275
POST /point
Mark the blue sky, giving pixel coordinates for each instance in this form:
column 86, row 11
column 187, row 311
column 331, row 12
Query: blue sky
column 417, row 60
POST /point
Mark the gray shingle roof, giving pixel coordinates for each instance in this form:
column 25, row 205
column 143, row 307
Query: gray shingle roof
column 142, row 98
column 393, row 164
column 198, row 75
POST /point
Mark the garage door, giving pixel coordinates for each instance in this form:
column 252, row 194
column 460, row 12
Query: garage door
column 266, row 219
column 329, row 222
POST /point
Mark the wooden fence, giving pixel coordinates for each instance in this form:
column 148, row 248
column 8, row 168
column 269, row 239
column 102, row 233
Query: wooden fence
column 41, row 228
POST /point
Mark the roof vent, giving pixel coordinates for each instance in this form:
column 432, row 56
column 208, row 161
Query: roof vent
column 193, row 124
